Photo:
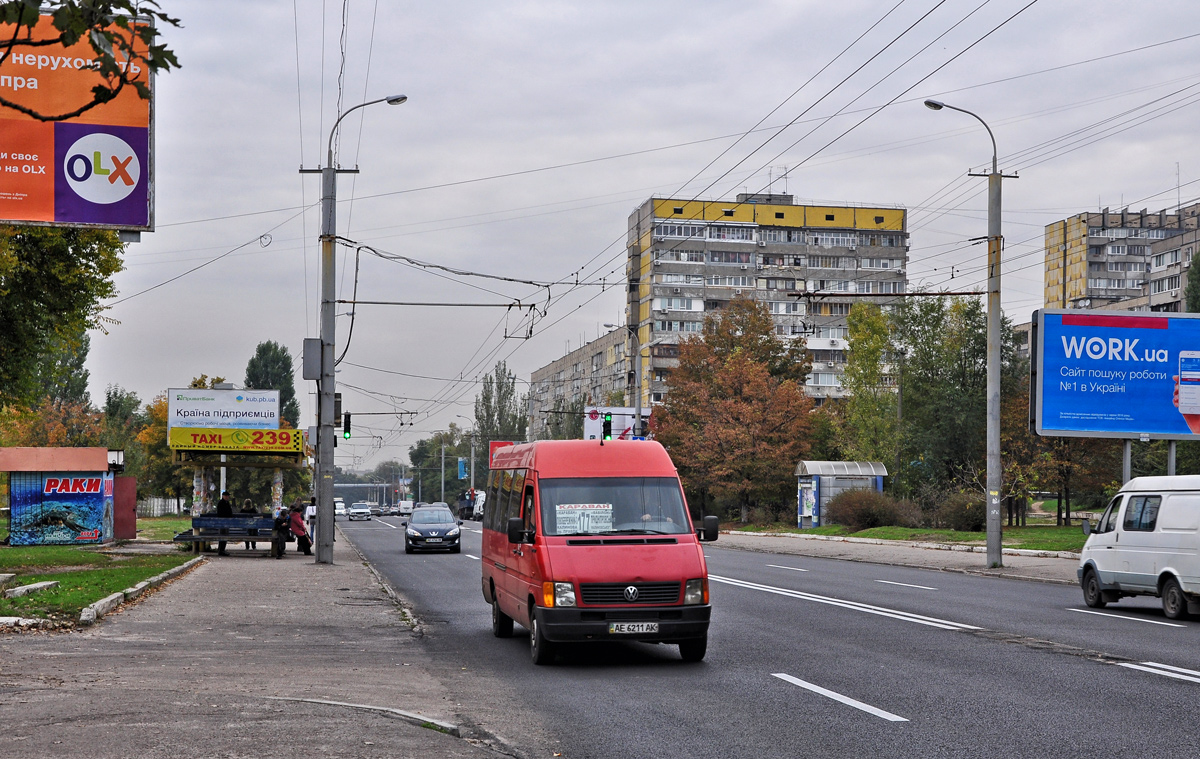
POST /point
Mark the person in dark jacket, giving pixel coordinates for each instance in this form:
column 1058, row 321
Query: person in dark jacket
column 279, row 536
column 224, row 510
column 248, row 508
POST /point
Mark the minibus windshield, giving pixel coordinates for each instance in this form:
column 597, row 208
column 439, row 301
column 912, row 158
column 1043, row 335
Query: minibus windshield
column 613, row 506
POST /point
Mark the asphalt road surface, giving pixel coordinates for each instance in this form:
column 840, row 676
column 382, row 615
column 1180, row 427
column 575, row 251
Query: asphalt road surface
column 822, row 658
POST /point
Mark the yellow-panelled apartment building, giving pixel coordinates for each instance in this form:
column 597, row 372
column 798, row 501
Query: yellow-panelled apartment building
column 686, row 258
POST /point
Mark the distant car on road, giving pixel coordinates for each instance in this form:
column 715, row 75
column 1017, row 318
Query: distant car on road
column 405, row 508
column 339, row 508
column 393, row 510
column 376, row 509
column 432, row 528
column 360, row 511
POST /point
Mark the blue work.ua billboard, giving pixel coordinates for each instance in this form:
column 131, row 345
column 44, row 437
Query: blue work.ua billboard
column 1119, row 375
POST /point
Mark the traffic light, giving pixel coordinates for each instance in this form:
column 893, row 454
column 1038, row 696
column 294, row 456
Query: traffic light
column 346, row 426
column 607, row 426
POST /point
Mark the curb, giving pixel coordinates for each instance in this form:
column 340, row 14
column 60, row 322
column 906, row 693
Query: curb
column 412, row 717
column 911, row 544
column 93, row 612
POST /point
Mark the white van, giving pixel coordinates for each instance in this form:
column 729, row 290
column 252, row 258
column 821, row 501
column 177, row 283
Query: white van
column 1146, row 543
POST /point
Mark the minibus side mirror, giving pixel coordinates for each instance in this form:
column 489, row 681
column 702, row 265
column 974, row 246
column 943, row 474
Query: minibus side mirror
column 516, row 530
column 711, row 528
column 1087, row 527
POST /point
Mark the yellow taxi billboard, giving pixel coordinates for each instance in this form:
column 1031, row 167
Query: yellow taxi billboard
column 236, row 440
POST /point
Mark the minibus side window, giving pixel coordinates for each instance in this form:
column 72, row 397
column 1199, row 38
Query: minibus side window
column 1108, row 522
column 1142, row 513
column 515, row 485
column 493, row 509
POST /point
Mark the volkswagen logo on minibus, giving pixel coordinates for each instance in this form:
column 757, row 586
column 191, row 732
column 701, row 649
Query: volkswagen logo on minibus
column 631, row 593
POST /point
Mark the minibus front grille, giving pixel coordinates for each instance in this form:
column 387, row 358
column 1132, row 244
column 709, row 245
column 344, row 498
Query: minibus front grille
column 605, row 593
column 621, row 541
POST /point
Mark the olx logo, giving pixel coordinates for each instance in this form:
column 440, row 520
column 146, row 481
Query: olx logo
column 102, row 168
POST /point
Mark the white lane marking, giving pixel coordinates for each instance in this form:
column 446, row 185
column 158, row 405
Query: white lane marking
column 477, row 532
column 1129, row 619
column 780, row 566
column 1165, row 671
column 839, row 697
column 943, row 624
column 394, row 527
column 469, row 556
column 906, row 585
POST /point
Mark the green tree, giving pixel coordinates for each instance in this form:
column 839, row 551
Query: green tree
column 123, row 421
column 871, row 425
column 426, row 458
column 1191, row 293
column 61, row 374
column 272, row 368
column 566, row 420
column 52, row 282
column 126, row 53
column 500, row 413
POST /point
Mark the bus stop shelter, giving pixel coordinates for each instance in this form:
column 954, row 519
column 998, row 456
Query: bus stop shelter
column 819, row 481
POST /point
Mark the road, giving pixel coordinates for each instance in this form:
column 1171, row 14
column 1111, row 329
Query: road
column 820, row 657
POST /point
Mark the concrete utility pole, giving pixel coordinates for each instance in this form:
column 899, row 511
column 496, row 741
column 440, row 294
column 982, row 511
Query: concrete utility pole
column 995, row 243
column 324, row 553
column 636, row 363
column 443, row 472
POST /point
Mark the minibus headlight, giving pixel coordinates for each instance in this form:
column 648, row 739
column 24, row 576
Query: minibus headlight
column 558, row 594
column 696, row 591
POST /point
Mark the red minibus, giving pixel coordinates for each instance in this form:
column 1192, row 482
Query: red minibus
column 586, row 540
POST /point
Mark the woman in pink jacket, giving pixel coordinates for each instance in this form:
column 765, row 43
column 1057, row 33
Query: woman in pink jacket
column 296, row 524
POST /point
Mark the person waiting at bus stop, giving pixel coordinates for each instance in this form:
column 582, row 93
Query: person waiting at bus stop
column 248, row 508
column 225, row 511
column 303, row 543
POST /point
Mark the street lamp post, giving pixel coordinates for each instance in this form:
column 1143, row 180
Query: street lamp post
column 636, row 363
column 328, row 295
column 472, row 434
column 995, row 242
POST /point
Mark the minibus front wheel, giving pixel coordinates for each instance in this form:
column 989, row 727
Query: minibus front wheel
column 540, row 649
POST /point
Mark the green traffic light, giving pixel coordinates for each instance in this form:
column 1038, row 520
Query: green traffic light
column 346, row 434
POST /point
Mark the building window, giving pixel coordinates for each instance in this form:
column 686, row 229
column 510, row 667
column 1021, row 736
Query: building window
column 781, row 284
column 679, row 230
column 684, row 256
column 715, row 281
column 678, row 209
column 728, row 211
column 830, row 262
column 864, row 287
column 680, row 279
column 836, row 333
column 677, row 326
column 828, row 217
column 880, row 263
column 878, row 219
column 780, row 307
column 825, row 379
column 896, row 286
column 835, row 239
column 730, row 233
column 833, row 285
column 772, row 235
column 831, row 309
column 779, row 214
column 730, row 257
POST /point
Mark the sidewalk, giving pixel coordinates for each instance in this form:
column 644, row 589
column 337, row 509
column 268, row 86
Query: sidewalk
column 245, row 656
column 1039, row 566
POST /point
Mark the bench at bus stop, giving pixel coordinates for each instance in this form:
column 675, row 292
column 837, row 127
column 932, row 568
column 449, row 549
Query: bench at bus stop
column 246, row 528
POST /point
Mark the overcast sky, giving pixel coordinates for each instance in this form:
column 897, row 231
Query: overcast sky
column 595, row 107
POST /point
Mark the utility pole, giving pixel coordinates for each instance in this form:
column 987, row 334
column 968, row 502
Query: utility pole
column 324, row 553
column 995, row 240
column 443, row 472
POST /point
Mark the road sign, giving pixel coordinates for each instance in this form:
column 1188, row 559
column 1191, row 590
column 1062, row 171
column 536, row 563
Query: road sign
column 236, row 441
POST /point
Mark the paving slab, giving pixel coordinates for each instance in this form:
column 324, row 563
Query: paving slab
column 243, row 656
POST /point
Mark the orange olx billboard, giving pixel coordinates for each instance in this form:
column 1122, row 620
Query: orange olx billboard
column 91, row 170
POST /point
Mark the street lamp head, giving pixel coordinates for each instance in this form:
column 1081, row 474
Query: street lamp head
column 396, row 99
column 935, row 105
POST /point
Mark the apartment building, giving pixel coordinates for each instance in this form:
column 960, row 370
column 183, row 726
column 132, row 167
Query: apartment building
column 1134, row 261
column 591, row 373
column 809, row 264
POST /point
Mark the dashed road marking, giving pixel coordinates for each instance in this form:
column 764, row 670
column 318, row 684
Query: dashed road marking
column 906, row 585
column 1166, row 670
column 1129, row 619
column 780, row 566
column 840, row 698
column 471, row 556
column 942, row 624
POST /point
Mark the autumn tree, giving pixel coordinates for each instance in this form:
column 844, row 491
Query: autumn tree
column 125, row 51
column 160, row 476
column 736, row 419
column 51, row 424
column 52, row 282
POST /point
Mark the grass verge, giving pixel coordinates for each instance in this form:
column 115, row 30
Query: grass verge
column 1033, row 538
column 84, row 575
column 162, row 528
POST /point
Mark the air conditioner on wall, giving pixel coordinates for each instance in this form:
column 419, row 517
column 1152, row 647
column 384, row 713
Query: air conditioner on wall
column 676, row 290
column 657, row 262
column 737, row 292
column 762, row 243
column 745, row 266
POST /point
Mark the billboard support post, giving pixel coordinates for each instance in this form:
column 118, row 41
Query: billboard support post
column 1170, row 458
column 1127, row 461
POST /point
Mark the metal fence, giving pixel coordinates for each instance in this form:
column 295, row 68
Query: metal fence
column 157, row 506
